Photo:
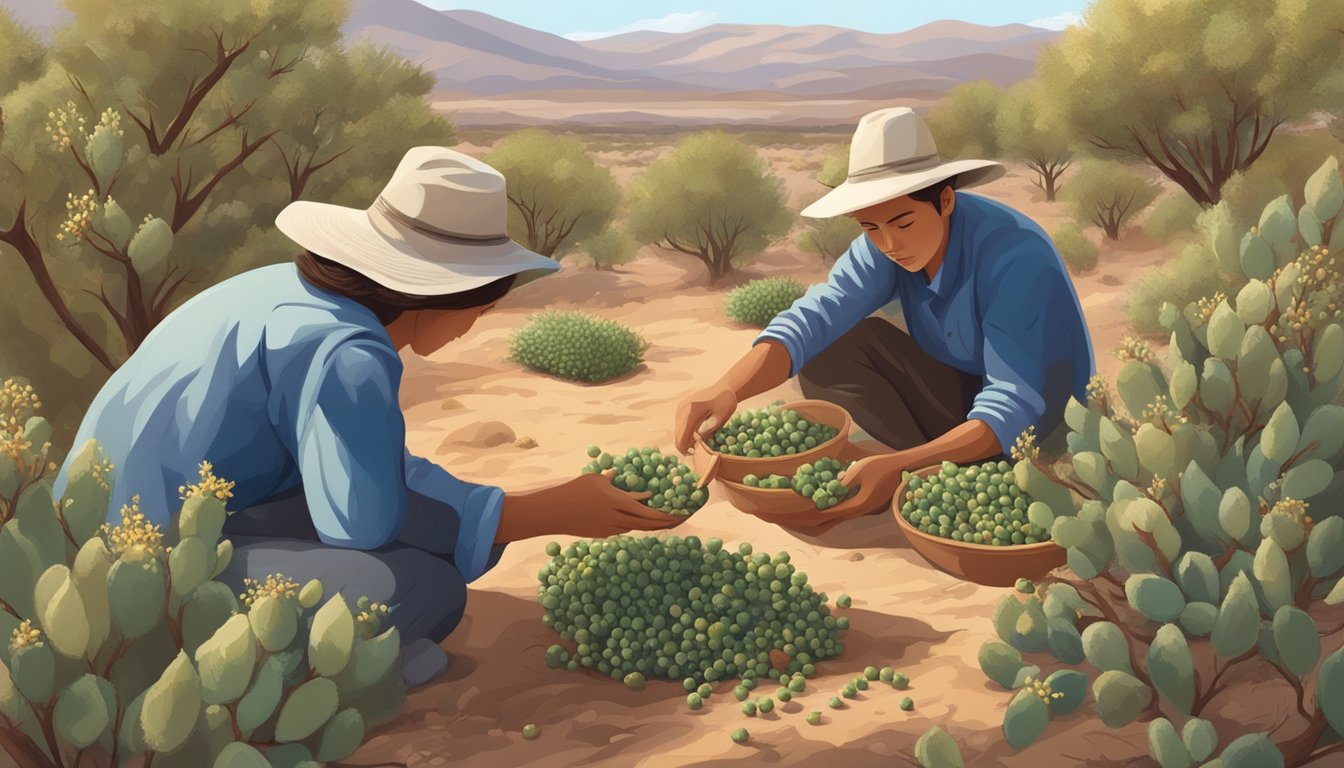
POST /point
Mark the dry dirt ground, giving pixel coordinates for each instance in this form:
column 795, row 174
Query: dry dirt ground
column 468, row 406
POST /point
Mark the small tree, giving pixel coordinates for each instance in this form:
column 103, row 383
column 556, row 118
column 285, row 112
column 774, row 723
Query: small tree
column 1196, row 88
column 835, row 168
column 713, row 198
column 827, row 239
column 559, row 195
column 1031, row 132
column 1108, row 194
column 609, row 247
column 962, row 123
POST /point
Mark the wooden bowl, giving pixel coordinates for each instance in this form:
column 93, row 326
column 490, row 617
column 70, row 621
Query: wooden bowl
column 783, row 501
column 725, row 466
column 981, row 563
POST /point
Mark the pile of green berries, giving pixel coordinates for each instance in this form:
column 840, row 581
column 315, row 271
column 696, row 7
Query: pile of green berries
column 671, row 482
column 677, row 608
column 770, row 431
column 977, row 505
column 818, row 481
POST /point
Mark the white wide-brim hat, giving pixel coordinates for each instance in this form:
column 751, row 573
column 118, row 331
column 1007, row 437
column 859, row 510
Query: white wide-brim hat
column 891, row 155
column 438, row 227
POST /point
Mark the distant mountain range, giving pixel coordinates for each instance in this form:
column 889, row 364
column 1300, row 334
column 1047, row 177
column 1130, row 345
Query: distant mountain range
column 495, row 72
column 476, row 54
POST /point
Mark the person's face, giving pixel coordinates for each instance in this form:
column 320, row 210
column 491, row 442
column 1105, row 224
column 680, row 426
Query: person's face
column 909, row 232
column 434, row 328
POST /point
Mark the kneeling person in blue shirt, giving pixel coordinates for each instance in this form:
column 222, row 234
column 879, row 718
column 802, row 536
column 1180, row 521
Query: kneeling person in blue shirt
column 997, row 342
column 286, row 379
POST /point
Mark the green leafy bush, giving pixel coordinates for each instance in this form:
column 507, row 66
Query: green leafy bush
column 1175, row 215
column 121, row 644
column 757, row 302
column 1079, row 253
column 1202, row 515
column 1108, row 194
column 828, row 239
column 578, row 347
column 610, row 247
column 677, row 608
column 1192, row 274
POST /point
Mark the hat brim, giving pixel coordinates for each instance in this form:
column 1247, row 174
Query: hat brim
column 853, row 196
column 403, row 259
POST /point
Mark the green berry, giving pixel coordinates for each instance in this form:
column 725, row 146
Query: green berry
column 784, row 694
column 836, row 703
column 634, row 681
column 907, row 704
column 749, row 708
column 870, row 673
column 741, row 692
column 740, row 735
column 705, row 690
column 886, row 674
column 843, row 601
column 765, row 704
column 814, row 718
column 798, row 684
column 552, row 549
column 594, row 451
column 694, row 701
column 900, row 682
column 530, row 731
column 1025, row 586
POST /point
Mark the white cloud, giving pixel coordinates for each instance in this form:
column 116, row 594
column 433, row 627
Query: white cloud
column 1058, row 22
column 673, row 22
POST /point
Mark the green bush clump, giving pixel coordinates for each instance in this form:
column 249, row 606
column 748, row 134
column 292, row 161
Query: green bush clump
column 1210, row 489
column 770, row 431
column 828, row 239
column 121, row 645
column 1189, row 276
column 672, row 483
column 577, row 346
column 981, row 504
column 1175, row 215
column 757, row 302
column 681, row 609
column 1078, row 253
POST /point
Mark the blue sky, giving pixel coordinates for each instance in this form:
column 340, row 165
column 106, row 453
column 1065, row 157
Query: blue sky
column 597, row 18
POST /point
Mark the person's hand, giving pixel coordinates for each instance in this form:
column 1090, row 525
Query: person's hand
column 590, row 506
column 873, row 482
column 713, row 406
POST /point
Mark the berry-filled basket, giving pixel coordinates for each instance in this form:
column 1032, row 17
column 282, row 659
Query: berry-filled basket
column 716, row 459
column 993, row 565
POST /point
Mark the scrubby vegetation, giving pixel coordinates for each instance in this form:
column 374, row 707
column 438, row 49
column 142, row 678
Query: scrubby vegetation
column 1108, row 195
column 610, row 247
column 577, row 346
column 1172, row 217
column 1079, row 253
column 119, row 643
column 757, row 302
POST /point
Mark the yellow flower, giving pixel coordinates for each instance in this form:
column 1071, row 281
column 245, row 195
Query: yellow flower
column 134, row 533
column 25, row 635
column 210, row 485
column 276, row 585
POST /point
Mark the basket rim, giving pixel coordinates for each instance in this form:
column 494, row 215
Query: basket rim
column 841, row 435
column 987, row 549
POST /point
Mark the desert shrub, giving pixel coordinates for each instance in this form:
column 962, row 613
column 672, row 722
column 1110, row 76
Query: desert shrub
column 1108, row 195
column 577, row 346
column 558, row 195
column 1201, row 517
column 834, row 167
column 757, row 302
column 1282, row 170
column 1190, row 275
column 827, row 239
column 1030, row 129
column 1173, row 216
column 713, row 198
column 609, row 247
column 763, row 617
column 121, row 644
column 963, row 121
column 1079, row 253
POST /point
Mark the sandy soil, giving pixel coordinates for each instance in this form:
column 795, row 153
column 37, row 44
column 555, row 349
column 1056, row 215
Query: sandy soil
column 905, row 613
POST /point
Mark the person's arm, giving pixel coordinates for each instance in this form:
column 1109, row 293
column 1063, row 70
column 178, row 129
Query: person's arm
column 859, row 284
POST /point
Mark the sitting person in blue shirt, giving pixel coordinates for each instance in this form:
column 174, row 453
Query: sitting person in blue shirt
column 997, row 342
column 286, row 378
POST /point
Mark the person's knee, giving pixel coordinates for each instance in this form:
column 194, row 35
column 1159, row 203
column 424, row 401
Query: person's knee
column 431, row 595
column 829, row 366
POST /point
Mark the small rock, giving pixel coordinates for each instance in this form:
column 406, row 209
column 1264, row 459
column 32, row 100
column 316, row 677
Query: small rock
column 1110, row 280
column 526, row 443
column 485, row 434
column 856, row 557
column 451, row 404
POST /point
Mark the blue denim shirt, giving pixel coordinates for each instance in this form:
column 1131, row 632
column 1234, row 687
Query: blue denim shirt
column 1001, row 306
column 279, row 384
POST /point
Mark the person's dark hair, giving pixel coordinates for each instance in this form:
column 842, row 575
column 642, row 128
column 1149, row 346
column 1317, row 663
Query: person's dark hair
column 384, row 302
column 934, row 194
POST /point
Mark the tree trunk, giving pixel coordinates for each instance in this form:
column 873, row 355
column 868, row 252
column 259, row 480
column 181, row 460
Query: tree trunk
column 1050, row 180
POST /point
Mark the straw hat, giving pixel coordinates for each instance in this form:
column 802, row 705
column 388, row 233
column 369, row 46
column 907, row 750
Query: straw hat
column 893, row 154
column 438, row 227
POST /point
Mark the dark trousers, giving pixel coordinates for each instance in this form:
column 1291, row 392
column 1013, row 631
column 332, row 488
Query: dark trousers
column 900, row 394
column 424, row 590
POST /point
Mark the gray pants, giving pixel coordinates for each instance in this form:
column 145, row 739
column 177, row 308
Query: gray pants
column 900, row 394
column 426, row 593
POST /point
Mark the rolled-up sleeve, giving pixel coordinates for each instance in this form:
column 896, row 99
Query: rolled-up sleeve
column 859, row 284
column 358, row 475
column 1016, row 296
